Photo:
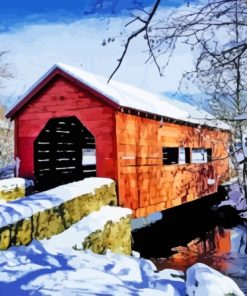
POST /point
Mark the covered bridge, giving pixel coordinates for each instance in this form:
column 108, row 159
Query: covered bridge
column 71, row 124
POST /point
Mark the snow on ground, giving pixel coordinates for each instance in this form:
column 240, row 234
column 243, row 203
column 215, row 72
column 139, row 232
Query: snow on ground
column 53, row 268
column 19, row 209
column 204, row 281
column 44, row 268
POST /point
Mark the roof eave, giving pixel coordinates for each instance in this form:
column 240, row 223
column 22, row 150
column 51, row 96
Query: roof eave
column 56, row 70
column 53, row 72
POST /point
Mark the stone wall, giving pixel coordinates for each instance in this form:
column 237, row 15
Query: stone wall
column 55, row 220
column 14, row 188
column 116, row 236
column 12, row 194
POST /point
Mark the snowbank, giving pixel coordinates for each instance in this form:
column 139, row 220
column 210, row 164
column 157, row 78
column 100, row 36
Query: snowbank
column 203, row 281
column 52, row 267
column 47, row 268
column 34, row 270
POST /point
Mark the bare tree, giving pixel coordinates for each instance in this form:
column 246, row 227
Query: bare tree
column 215, row 32
column 6, row 131
column 5, row 72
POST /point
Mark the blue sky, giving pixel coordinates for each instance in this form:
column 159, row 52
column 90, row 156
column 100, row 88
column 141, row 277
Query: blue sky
column 18, row 12
column 73, row 6
column 38, row 34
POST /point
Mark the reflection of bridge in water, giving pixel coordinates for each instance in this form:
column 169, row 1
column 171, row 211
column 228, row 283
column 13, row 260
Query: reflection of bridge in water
column 194, row 233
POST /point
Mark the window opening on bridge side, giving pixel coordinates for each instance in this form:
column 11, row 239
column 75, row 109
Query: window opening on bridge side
column 186, row 155
column 176, row 155
column 201, row 155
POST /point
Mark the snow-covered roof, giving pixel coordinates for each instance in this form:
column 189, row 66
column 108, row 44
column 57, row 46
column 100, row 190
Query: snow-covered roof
column 129, row 96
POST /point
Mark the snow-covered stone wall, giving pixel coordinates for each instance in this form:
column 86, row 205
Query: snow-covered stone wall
column 112, row 231
column 48, row 213
column 106, row 229
column 13, row 188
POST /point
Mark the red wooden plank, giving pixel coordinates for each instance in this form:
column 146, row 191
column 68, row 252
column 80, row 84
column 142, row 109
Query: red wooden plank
column 12, row 113
column 99, row 120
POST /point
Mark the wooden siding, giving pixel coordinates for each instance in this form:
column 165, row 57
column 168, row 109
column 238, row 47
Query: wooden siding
column 128, row 147
column 62, row 98
column 145, row 184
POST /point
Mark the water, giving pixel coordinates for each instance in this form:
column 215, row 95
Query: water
column 223, row 249
column 194, row 233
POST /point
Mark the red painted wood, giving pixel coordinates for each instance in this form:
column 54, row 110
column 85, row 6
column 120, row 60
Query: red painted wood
column 15, row 137
column 96, row 115
column 137, row 142
column 62, row 86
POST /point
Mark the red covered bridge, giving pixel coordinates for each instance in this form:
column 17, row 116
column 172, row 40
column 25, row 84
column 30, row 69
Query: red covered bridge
column 72, row 124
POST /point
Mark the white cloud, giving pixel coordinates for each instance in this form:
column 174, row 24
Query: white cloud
column 35, row 48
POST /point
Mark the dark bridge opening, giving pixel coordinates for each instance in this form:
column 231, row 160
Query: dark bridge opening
column 64, row 152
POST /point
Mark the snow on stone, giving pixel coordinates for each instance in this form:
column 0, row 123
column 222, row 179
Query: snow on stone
column 19, row 209
column 129, row 96
column 12, row 183
column 202, row 280
column 135, row 254
column 76, row 235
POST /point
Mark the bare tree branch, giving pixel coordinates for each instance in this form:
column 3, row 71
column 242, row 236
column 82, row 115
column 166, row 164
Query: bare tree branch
column 135, row 34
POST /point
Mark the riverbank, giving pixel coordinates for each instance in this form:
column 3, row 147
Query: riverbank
column 197, row 232
column 222, row 249
column 59, row 266
column 53, row 267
